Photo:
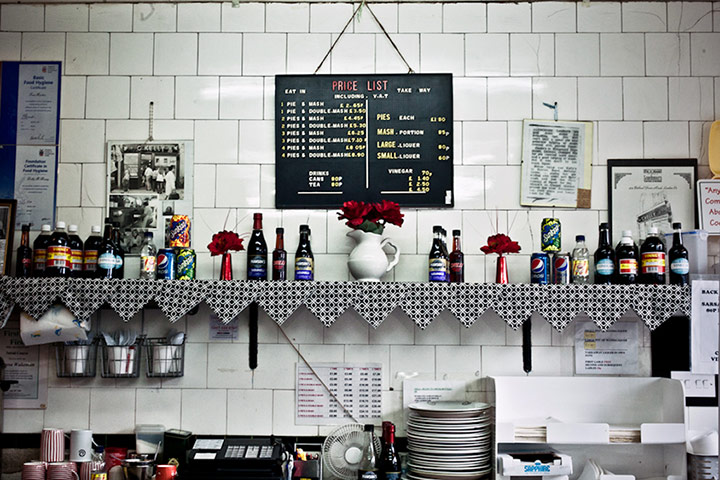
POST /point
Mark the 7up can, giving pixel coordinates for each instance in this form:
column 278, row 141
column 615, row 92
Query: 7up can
column 550, row 235
column 185, row 264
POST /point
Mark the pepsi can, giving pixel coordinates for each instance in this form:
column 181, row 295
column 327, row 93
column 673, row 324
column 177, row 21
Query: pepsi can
column 561, row 268
column 166, row 264
column 540, row 268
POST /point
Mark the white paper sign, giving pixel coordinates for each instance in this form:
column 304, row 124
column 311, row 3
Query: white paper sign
column 37, row 104
column 431, row 390
column 614, row 351
column 35, row 184
column 29, row 366
column 709, row 202
column 223, row 331
column 704, row 330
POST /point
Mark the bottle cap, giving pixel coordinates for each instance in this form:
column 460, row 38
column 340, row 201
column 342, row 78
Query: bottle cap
column 46, row 228
column 677, row 226
column 456, row 233
column 604, row 225
column 279, row 230
column 580, row 238
column 437, row 229
column 305, row 228
column 60, row 225
column 95, row 229
column 369, row 427
column 627, row 233
column 652, row 231
column 26, row 227
column 257, row 216
column 72, row 228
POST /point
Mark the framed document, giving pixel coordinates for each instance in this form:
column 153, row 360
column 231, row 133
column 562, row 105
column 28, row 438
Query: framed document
column 7, row 232
column 709, row 205
column 649, row 192
column 556, row 159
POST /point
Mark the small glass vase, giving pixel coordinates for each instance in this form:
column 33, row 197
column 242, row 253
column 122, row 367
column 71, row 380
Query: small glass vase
column 226, row 267
column 501, row 272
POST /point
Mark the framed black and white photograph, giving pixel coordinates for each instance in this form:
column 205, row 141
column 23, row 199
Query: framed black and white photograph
column 644, row 193
column 7, row 232
column 135, row 214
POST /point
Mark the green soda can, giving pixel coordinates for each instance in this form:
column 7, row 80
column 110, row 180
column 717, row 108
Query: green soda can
column 550, row 235
column 185, row 261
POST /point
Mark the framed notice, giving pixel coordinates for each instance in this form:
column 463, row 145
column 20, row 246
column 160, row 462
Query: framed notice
column 709, row 205
column 556, row 164
column 28, row 365
column 7, row 232
column 651, row 193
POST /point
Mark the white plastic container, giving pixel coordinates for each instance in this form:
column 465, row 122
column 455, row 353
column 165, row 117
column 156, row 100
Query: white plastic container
column 696, row 243
column 148, row 438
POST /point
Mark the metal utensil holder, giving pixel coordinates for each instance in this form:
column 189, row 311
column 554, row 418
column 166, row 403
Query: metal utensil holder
column 164, row 359
column 76, row 359
column 121, row 361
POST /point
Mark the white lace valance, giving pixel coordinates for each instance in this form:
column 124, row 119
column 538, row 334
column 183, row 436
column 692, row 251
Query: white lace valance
column 422, row 302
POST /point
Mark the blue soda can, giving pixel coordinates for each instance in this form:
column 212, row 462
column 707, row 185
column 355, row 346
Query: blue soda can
column 540, row 268
column 166, row 264
column 185, row 261
column 561, row 268
column 550, row 235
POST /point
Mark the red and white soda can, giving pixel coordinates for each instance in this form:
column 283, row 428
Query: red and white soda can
column 52, row 445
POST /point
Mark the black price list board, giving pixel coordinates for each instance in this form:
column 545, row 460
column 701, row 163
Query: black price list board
column 363, row 137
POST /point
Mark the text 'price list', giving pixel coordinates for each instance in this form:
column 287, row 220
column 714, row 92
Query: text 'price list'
column 357, row 386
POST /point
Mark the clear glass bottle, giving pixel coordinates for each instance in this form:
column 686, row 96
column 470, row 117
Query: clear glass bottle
column 148, row 258
column 367, row 469
column 580, row 260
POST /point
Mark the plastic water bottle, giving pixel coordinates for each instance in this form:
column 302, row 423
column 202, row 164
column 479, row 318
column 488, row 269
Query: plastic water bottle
column 580, row 261
column 148, row 256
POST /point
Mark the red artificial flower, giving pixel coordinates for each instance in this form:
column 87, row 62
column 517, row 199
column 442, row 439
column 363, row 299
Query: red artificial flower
column 500, row 244
column 389, row 212
column 223, row 242
column 354, row 212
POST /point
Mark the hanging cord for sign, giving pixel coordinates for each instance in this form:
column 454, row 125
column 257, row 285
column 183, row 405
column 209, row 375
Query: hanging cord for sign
column 355, row 14
column 151, row 117
column 318, row 376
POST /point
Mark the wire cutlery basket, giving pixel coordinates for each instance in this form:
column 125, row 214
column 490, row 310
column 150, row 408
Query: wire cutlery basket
column 120, row 361
column 163, row 358
column 76, row 359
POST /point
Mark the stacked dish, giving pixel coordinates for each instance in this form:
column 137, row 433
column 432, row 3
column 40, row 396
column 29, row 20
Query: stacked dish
column 449, row 440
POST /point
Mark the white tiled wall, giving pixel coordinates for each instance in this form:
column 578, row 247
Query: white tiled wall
column 647, row 74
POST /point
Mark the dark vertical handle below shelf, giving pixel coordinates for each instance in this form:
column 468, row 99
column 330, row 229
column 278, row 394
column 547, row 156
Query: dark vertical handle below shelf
column 253, row 330
column 527, row 345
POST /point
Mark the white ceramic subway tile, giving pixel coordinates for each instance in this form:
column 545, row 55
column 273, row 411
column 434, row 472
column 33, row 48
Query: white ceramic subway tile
column 469, row 98
column 487, row 55
column 716, row 17
column 689, row 17
column 43, row 46
column 501, row 360
column 131, row 53
column 469, row 187
column 457, row 151
column 323, row 353
column 667, row 54
column 154, row 17
column 106, row 17
column 66, row 18
column 515, row 142
column 705, row 54
column 702, row 418
column 449, row 219
column 412, row 268
column 396, row 329
column 339, row 242
column 264, row 53
column 502, row 187
column 283, row 415
column 306, row 51
column 87, row 53
column 198, row 17
column 484, row 143
column 227, row 366
column 458, row 364
column 387, row 14
column 577, row 54
column 287, row 17
column 420, row 17
column 387, row 59
column 488, row 329
column 267, row 186
column 353, row 329
column 443, row 330
column 622, row 54
column 599, row 17
column 82, row 141
column 353, row 53
column 645, row 98
column 238, row 186
column 518, row 268
column 216, row 141
column 158, row 406
column 123, row 129
column 269, row 98
column 666, row 139
column 195, row 368
column 302, row 327
column 442, row 53
column 578, row 222
column 524, row 227
column 93, row 185
column 196, row 97
column 644, row 17
column 243, row 17
column 204, row 178
column 699, row 131
column 532, row 54
column 241, row 97
column 176, row 53
column 464, row 17
column 249, row 412
column 329, row 17
column 561, row 91
column 23, row 421
column 173, row 129
column 267, row 375
column 316, row 219
column 599, row 99
column 108, row 97
column 209, row 221
column 10, row 43
column 220, row 54
column 553, row 17
column 620, row 140
column 411, row 362
column 204, row 411
column 68, row 185
column 82, row 217
column 257, row 141
column 509, row 98
column 508, row 17
column 159, row 90
column 22, row 18
column 68, row 408
column 599, row 195
column 330, row 268
column 112, row 410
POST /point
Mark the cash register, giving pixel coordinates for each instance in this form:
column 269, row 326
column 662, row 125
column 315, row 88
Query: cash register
column 229, row 458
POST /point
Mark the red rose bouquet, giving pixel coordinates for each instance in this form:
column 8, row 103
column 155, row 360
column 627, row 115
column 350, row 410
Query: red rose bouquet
column 223, row 242
column 500, row 244
column 370, row 217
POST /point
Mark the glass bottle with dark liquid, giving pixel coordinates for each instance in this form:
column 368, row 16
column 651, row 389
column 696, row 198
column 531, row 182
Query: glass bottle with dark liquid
column 304, row 259
column 438, row 259
column 91, row 252
column 627, row 256
column 119, row 251
column 40, row 251
column 679, row 263
column 257, row 252
column 457, row 260
column 23, row 260
column 604, row 257
column 279, row 256
column 57, row 263
column 76, row 252
column 652, row 259
column 389, row 461
column 106, row 255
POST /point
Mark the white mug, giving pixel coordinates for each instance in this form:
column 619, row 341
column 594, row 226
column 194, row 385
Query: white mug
column 81, row 445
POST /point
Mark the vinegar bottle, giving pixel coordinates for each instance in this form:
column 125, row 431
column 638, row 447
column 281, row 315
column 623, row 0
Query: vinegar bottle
column 58, row 253
column 457, row 262
column 76, row 252
column 279, row 256
column 304, row 259
column 23, row 261
column 40, row 251
column 257, row 252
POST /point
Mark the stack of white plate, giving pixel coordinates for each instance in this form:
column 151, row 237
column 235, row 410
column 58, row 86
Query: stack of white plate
column 449, row 440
